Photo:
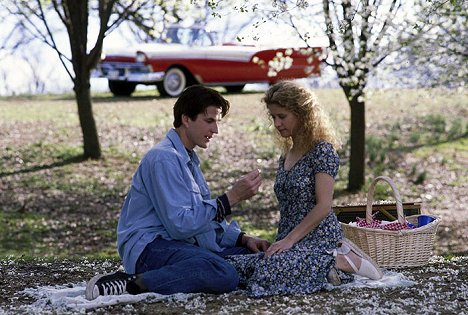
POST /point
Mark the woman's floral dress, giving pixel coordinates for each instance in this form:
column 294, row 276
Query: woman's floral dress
column 303, row 268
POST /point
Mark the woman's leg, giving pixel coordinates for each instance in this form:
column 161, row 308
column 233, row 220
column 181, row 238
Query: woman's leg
column 350, row 258
column 343, row 264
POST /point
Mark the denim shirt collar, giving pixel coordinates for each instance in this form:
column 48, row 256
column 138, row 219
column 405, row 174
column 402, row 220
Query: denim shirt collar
column 180, row 148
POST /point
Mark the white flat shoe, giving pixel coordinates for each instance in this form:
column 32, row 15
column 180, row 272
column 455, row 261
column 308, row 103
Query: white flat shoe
column 368, row 268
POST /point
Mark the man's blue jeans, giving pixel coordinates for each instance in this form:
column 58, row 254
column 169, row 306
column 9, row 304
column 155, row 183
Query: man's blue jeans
column 177, row 267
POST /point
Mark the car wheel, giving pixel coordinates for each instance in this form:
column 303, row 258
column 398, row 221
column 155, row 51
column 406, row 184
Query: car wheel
column 174, row 82
column 121, row 88
column 234, row 88
column 161, row 90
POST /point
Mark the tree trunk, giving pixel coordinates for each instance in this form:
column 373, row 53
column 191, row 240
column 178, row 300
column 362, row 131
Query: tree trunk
column 91, row 146
column 76, row 14
column 356, row 176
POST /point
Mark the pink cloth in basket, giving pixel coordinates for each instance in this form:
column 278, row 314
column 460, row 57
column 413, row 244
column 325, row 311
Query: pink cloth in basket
column 378, row 224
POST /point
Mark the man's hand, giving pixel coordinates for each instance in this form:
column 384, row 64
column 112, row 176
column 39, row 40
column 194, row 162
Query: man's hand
column 245, row 187
column 255, row 244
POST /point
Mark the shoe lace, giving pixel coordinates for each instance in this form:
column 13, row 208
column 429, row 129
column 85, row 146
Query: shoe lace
column 114, row 287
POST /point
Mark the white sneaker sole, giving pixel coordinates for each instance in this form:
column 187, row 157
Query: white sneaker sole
column 92, row 292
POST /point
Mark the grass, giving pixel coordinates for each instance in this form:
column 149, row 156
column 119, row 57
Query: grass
column 20, row 232
column 35, row 111
column 52, row 200
column 265, row 232
column 451, row 152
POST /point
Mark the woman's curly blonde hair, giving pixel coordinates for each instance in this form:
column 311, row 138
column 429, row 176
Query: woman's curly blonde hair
column 314, row 125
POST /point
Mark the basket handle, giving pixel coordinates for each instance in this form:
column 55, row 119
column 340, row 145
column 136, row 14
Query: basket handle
column 396, row 194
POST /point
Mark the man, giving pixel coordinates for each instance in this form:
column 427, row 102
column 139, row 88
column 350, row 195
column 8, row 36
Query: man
column 172, row 236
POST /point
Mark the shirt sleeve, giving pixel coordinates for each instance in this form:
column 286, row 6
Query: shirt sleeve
column 230, row 236
column 177, row 199
column 326, row 160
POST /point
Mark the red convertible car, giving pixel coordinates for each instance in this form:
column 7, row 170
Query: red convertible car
column 186, row 56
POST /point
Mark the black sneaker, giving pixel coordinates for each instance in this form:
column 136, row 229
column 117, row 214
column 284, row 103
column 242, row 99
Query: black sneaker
column 108, row 284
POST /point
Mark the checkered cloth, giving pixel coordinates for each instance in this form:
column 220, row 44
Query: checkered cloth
column 384, row 225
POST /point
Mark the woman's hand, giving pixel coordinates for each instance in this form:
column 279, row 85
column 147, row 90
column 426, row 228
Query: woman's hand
column 279, row 247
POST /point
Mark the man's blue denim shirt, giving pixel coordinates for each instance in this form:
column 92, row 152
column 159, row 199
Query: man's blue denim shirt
column 165, row 200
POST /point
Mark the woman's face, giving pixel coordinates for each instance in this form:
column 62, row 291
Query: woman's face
column 284, row 120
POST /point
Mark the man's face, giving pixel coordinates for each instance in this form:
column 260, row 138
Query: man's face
column 201, row 129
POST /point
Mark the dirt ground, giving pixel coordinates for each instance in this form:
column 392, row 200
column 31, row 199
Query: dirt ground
column 441, row 287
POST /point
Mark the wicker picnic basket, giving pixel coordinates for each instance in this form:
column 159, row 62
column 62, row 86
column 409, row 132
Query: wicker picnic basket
column 394, row 249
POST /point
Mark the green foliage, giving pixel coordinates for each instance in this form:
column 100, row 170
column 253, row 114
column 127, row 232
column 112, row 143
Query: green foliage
column 382, row 191
column 393, row 139
column 435, row 124
column 415, row 136
column 375, row 146
column 421, row 178
column 437, row 128
column 456, row 130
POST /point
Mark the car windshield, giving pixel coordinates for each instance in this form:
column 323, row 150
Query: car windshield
column 187, row 36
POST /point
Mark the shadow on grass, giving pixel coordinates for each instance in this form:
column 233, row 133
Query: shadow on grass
column 411, row 148
column 115, row 99
column 341, row 192
column 71, row 160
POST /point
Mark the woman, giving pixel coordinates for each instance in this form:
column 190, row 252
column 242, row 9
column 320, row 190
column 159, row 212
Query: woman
column 310, row 249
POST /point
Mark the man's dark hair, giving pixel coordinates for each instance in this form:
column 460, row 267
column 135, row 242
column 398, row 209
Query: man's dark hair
column 194, row 100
